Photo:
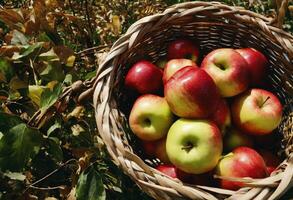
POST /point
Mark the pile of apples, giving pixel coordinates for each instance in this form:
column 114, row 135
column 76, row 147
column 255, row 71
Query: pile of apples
column 200, row 119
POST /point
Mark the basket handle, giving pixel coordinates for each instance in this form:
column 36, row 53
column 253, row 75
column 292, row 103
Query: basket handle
column 281, row 8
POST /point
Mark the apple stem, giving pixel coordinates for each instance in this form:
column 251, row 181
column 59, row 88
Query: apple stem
column 265, row 101
column 187, row 147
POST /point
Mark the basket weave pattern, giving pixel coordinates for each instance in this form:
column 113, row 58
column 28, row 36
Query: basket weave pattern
column 213, row 25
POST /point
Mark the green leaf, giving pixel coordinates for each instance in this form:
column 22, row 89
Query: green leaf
column 18, row 38
column 53, row 71
column 27, row 51
column 90, row 74
column 35, row 92
column 8, row 121
column 49, row 97
column 90, row 186
column 54, row 127
column 15, row 176
column 17, row 146
column 49, row 56
column 6, row 70
column 54, row 149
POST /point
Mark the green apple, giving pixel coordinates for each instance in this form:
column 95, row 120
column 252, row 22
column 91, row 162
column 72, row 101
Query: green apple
column 150, row 117
column 194, row 146
column 235, row 138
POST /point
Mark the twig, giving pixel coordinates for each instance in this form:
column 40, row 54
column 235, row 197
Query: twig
column 48, row 188
column 50, row 174
column 92, row 48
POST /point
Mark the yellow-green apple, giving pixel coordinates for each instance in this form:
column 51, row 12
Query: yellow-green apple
column 144, row 77
column 150, row 117
column 235, row 138
column 241, row 162
column 172, row 66
column 183, row 48
column 272, row 161
column 194, row 146
column 257, row 111
column 191, row 93
column 257, row 65
column 222, row 116
column 228, row 69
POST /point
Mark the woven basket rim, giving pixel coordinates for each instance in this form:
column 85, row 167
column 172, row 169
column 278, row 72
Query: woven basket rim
column 147, row 177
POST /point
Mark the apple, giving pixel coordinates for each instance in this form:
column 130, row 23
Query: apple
column 161, row 63
column 235, row 138
column 183, row 48
column 241, row 162
column 150, row 117
column 173, row 172
column 172, row 66
column 194, row 146
column 257, row 112
column 257, row 64
column 144, row 77
column 169, row 170
column 271, row 160
column 191, row 93
column 222, row 116
column 228, row 69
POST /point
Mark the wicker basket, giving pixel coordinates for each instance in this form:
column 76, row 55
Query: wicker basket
column 214, row 25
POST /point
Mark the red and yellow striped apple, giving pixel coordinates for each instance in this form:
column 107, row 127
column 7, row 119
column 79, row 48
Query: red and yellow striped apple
column 241, row 162
column 222, row 116
column 257, row 65
column 257, row 112
column 228, row 69
column 174, row 65
column 144, row 77
column 194, row 146
column 191, row 93
column 150, row 117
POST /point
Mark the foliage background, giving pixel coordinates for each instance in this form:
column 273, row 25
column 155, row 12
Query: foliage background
column 49, row 146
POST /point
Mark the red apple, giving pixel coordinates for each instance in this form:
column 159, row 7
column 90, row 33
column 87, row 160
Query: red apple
column 183, row 48
column 169, row 170
column 228, row 69
column 222, row 116
column 150, row 117
column 174, row 65
column 173, row 172
column 271, row 160
column 191, row 93
column 257, row 112
column 235, row 138
column 156, row 149
column 257, row 64
column 241, row 162
column 144, row 77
